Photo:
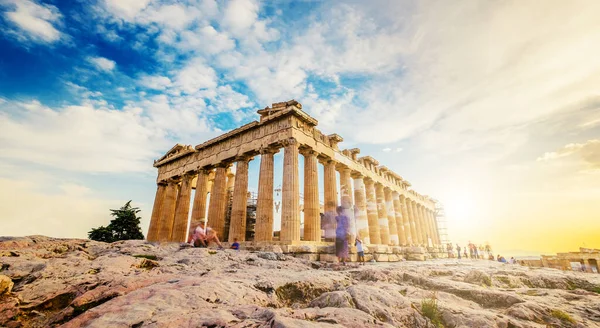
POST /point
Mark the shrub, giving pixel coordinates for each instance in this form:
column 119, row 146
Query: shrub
column 562, row 316
column 429, row 309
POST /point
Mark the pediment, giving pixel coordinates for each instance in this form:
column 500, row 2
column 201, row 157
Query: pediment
column 177, row 151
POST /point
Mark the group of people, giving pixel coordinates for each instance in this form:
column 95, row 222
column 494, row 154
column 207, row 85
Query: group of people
column 203, row 235
column 342, row 239
column 471, row 251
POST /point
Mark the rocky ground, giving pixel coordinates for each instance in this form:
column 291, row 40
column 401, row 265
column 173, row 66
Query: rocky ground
column 46, row 282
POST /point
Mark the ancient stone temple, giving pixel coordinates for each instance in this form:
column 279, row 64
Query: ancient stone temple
column 393, row 220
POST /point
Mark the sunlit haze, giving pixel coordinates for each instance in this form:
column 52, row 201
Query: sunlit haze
column 490, row 107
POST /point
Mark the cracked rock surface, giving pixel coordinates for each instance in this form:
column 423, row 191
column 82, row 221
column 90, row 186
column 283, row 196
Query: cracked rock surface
column 49, row 282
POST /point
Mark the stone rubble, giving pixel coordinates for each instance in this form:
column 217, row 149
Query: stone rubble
column 49, row 282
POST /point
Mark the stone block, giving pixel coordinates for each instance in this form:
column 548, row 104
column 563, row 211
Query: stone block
column 393, row 258
column 328, row 258
column 310, row 257
column 381, row 257
column 397, row 250
column 299, row 249
column 326, row 249
column 415, row 257
column 377, row 249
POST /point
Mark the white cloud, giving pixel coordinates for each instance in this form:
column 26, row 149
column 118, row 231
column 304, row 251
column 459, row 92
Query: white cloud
column 102, row 63
column 205, row 40
column 173, row 16
column 587, row 153
column 35, row 21
column 126, row 9
column 196, row 75
column 387, row 149
column 155, row 82
column 240, row 15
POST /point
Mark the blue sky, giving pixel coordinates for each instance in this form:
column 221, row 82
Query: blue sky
column 490, row 107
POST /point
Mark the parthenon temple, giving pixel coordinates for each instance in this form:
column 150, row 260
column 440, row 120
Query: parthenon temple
column 392, row 219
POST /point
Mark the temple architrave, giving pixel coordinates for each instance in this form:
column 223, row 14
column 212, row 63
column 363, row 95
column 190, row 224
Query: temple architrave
column 393, row 220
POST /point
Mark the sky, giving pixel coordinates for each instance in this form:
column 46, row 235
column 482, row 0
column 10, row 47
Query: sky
column 490, row 107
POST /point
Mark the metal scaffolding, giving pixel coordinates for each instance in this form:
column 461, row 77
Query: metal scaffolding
column 440, row 216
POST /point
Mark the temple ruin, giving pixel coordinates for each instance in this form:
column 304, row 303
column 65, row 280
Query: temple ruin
column 393, row 220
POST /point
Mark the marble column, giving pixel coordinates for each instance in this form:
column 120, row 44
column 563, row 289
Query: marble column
column 290, row 194
column 360, row 198
column 312, row 217
column 384, row 229
column 413, row 223
column 330, row 197
column 346, row 199
column 230, row 180
column 391, row 215
column 418, row 223
column 426, row 225
column 168, row 211
column 399, row 219
column 408, row 227
column 264, row 204
column 218, row 201
column 156, row 219
column 199, row 207
column 436, row 231
column 330, row 184
column 372, row 214
column 432, row 227
column 182, row 209
column 237, row 225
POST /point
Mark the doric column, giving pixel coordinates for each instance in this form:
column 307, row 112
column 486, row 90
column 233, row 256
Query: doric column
column 391, row 215
column 372, row 214
column 168, row 211
column 312, row 217
column 264, row 204
column 330, row 184
column 216, row 208
column 384, row 229
column 360, row 198
column 237, row 225
column 418, row 223
column 156, row 219
column 436, row 231
column 399, row 220
column 230, row 180
column 406, row 221
column 432, row 233
column 330, row 197
column 426, row 225
column 199, row 207
column 413, row 222
column 346, row 199
column 182, row 209
column 290, row 194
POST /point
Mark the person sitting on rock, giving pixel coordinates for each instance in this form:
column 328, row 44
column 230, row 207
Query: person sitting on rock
column 204, row 235
column 235, row 244
column 359, row 251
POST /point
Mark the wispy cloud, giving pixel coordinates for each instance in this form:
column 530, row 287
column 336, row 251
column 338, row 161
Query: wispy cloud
column 102, row 63
column 33, row 21
column 588, row 153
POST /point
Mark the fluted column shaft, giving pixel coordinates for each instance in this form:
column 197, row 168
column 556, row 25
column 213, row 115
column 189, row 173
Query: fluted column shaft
column 346, row 199
column 199, row 207
column 312, row 219
column 216, row 208
column 418, row 223
column 372, row 214
column 360, row 198
column 406, row 221
column 426, row 225
column 264, row 204
column 330, row 185
column 427, row 214
column 384, row 229
column 391, row 215
column 436, row 231
column 182, row 209
column 413, row 222
column 290, row 194
column 168, row 211
column 399, row 223
column 156, row 219
column 237, row 225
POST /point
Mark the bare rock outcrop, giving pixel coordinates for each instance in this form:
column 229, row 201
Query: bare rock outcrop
column 48, row 282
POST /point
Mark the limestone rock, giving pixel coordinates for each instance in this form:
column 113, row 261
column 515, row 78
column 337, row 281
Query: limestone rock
column 6, row 284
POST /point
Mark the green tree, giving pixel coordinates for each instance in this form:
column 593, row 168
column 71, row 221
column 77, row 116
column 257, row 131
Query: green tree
column 124, row 226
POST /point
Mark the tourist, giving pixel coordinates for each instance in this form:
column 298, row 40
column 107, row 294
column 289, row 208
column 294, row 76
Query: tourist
column 465, row 252
column 359, row 251
column 341, row 236
column 512, row 260
column 235, row 244
column 475, row 252
column 450, row 250
column 204, row 235
column 458, row 250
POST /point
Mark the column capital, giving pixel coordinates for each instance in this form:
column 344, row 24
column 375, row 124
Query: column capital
column 290, row 142
column 356, row 175
column 244, row 157
column 224, row 165
column 307, row 151
column 342, row 167
column 268, row 150
column 324, row 159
